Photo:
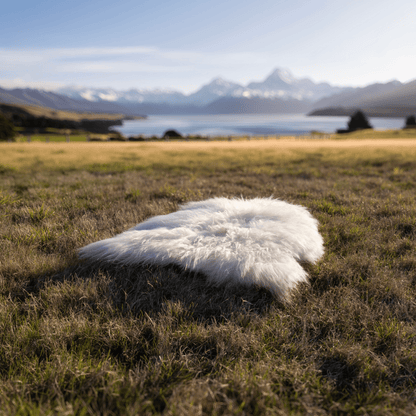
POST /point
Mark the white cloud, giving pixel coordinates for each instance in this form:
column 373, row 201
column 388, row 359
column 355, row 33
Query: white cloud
column 47, row 54
column 76, row 52
column 117, row 67
column 9, row 57
column 176, row 67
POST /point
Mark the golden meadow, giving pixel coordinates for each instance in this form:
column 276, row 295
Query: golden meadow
column 91, row 339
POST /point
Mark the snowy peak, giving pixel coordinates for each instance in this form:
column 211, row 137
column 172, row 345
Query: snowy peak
column 220, row 82
column 220, row 86
column 280, row 84
column 130, row 96
column 89, row 94
column 217, row 88
column 280, row 77
column 278, row 80
column 152, row 96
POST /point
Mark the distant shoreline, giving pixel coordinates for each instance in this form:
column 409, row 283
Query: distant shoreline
column 244, row 125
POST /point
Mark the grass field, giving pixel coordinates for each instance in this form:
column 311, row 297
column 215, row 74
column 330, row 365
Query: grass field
column 84, row 339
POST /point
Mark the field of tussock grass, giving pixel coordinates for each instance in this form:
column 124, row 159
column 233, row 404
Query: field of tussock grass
column 88, row 339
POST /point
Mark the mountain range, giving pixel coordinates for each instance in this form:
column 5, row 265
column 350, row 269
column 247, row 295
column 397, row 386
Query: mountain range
column 280, row 92
column 280, row 84
column 392, row 99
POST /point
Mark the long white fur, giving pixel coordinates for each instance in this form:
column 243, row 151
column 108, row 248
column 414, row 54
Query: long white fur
column 258, row 242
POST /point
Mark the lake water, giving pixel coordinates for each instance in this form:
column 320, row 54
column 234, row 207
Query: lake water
column 246, row 124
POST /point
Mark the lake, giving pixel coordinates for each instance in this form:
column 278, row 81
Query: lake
column 245, row 124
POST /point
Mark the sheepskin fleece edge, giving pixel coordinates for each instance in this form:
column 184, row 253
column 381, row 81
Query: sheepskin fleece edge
column 257, row 242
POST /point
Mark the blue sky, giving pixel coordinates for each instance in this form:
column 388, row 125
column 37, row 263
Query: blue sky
column 183, row 44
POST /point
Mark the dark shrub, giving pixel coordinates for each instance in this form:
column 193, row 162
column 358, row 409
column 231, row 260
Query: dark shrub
column 116, row 139
column 136, row 139
column 116, row 136
column 6, row 129
column 410, row 122
column 358, row 121
column 171, row 133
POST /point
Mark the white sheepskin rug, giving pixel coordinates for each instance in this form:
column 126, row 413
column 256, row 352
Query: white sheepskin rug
column 257, row 242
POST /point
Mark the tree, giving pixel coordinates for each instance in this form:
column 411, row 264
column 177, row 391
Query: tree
column 358, row 121
column 410, row 122
column 171, row 134
column 6, row 129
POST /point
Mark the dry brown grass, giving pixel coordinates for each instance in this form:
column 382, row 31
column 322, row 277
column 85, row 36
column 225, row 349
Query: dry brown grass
column 133, row 156
column 88, row 339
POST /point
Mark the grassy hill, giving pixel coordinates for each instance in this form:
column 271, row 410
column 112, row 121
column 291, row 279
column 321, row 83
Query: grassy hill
column 34, row 117
column 57, row 114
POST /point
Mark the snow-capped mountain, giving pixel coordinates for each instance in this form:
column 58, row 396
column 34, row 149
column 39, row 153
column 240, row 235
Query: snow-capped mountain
column 280, row 84
column 129, row 96
column 278, row 93
column 153, row 96
column 217, row 88
column 278, row 80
